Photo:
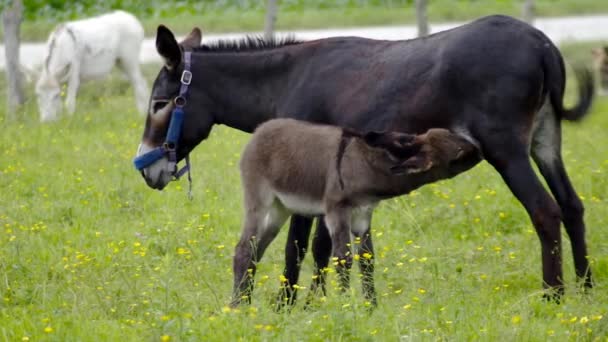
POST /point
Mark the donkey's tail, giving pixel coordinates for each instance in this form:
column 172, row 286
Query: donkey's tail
column 555, row 81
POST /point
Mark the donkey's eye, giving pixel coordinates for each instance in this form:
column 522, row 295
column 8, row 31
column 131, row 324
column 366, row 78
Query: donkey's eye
column 158, row 105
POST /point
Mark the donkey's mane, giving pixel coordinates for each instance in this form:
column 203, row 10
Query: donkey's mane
column 248, row 43
column 52, row 46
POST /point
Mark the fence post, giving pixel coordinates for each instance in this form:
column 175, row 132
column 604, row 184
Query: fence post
column 422, row 18
column 271, row 18
column 528, row 11
column 11, row 22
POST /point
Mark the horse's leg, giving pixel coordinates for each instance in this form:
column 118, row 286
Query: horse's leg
column 130, row 66
column 73, row 84
column 321, row 251
column 546, row 151
column 510, row 158
column 255, row 238
column 365, row 251
column 338, row 221
column 295, row 250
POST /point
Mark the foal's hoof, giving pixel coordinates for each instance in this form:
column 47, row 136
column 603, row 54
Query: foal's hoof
column 236, row 302
column 371, row 305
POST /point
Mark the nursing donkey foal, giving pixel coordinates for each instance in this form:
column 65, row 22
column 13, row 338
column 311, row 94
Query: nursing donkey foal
column 352, row 172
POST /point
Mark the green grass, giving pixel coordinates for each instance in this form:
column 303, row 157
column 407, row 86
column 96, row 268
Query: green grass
column 306, row 17
column 88, row 252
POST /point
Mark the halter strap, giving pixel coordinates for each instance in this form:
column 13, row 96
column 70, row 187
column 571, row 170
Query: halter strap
column 169, row 147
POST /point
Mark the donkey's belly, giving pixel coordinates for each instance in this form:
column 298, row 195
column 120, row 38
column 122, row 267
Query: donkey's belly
column 98, row 67
column 300, row 204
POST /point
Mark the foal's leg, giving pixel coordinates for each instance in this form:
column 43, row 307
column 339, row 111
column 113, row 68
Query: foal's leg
column 338, row 223
column 510, row 158
column 365, row 249
column 295, row 250
column 130, row 66
column 259, row 230
column 546, row 151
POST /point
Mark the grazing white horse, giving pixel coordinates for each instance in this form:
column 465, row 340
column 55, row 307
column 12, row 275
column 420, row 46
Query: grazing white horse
column 88, row 49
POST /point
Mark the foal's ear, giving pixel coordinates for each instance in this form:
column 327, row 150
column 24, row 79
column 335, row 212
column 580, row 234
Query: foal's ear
column 418, row 163
column 389, row 139
column 167, row 47
column 374, row 139
column 193, row 39
column 400, row 145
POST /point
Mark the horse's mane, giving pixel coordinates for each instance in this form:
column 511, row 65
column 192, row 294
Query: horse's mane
column 248, row 43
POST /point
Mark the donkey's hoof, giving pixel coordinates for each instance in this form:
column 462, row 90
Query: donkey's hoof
column 554, row 295
column 588, row 282
column 284, row 300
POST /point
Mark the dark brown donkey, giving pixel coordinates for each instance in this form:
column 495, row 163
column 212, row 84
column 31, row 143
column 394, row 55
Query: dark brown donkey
column 295, row 167
column 497, row 80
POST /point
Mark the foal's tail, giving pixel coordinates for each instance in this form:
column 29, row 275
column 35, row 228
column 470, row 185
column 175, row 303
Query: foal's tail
column 555, row 81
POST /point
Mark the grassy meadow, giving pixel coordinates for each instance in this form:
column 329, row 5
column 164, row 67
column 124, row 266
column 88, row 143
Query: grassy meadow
column 88, row 252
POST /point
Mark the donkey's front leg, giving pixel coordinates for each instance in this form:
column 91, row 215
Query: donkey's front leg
column 338, row 222
column 321, row 251
column 295, row 250
column 73, row 84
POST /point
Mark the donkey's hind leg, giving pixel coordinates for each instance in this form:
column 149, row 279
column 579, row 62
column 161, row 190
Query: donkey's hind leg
column 546, row 152
column 260, row 228
column 130, row 66
column 510, row 158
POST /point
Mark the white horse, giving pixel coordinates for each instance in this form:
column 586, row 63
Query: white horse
column 88, row 49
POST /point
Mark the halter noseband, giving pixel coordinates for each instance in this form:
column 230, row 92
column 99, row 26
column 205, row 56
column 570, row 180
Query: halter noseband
column 169, row 147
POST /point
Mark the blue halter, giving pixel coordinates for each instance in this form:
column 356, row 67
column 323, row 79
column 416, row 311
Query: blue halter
column 169, row 147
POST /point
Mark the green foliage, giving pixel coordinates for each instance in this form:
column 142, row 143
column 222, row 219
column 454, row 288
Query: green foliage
column 248, row 15
column 60, row 10
column 88, row 252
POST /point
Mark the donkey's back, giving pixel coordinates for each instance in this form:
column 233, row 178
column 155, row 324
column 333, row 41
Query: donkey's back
column 105, row 39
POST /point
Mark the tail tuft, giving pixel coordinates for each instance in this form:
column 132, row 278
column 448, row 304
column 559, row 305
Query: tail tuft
column 586, row 92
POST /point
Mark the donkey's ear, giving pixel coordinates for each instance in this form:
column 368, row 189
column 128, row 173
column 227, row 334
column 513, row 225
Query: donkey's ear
column 167, row 47
column 418, row 163
column 193, row 39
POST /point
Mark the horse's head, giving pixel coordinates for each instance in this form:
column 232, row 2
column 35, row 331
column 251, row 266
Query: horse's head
column 48, row 93
column 164, row 98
